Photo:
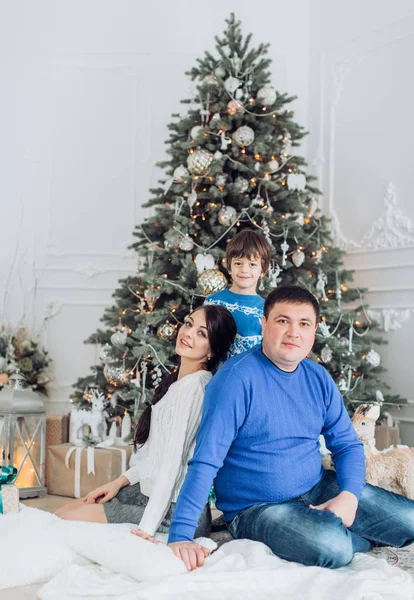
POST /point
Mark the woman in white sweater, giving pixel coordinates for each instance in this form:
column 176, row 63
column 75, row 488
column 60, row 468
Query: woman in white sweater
column 165, row 434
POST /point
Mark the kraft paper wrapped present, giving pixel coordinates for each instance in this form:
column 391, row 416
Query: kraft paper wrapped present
column 57, row 430
column 9, row 492
column 75, row 471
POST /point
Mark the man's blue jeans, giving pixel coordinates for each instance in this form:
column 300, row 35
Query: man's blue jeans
column 295, row 532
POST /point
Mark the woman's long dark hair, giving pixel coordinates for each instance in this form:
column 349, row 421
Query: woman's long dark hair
column 221, row 331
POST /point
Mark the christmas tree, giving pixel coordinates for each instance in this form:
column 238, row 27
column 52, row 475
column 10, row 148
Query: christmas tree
column 231, row 165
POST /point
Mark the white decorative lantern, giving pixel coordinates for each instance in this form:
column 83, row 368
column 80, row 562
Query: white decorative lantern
column 23, row 439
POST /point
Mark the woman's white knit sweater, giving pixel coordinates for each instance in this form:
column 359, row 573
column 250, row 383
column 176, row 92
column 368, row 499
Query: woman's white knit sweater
column 161, row 463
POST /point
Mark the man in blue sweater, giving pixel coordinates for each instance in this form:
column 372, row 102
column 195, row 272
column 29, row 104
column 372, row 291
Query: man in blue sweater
column 258, row 441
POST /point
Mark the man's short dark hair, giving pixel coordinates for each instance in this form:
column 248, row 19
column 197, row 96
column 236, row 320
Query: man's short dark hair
column 292, row 294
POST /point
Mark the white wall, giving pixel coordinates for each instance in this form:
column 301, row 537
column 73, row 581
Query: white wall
column 362, row 122
column 87, row 90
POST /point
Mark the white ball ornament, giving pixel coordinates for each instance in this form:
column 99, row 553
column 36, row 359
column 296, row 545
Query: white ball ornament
column 231, row 84
column 119, row 338
column 226, row 215
column 272, row 166
column 195, row 132
column 266, row 95
column 243, row 136
column 219, row 72
column 199, row 162
column 373, row 358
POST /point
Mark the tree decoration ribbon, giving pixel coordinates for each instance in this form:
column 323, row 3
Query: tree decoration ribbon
column 7, row 476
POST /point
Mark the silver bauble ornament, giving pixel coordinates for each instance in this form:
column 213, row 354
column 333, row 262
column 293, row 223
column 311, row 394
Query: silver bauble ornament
column 226, row 215
column 298, row 257
column 210, row 80
column 199, row 162
column 326, row 354
column 241, row 184
column 181, row 172
column 195, row 132
column 234, row 107
column 272, row 166
column 166, row 331
column 211, row 281
column 105, row 355
column 218, row 155
column 243, row 136
column 186, row 244
column 119, row 338
column 266, row 95
column 373, row 358
column 115, row 375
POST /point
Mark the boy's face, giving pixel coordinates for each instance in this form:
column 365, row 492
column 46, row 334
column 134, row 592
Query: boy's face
column 245, row 273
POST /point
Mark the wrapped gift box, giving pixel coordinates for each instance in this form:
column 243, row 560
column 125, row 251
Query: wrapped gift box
column 57, row 430
column 386, row 436
column 75, row 471
column 9, row 492
column 9, row 498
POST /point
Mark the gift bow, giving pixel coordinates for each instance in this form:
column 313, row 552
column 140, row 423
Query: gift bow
column 78, row 446
column 7, row 475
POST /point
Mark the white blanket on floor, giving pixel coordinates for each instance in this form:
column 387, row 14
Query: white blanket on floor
column 87, row 560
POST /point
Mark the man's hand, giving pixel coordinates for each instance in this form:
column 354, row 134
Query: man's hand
column 191, row 554
column 344, row 506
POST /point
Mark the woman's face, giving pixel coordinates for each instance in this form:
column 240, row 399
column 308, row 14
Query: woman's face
column 192, row 339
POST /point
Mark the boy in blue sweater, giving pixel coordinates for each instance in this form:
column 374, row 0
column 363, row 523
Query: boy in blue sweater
column 247, row 260
column 258, row 441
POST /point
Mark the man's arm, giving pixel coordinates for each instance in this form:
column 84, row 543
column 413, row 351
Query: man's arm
column 347, row 454
column 225, row 408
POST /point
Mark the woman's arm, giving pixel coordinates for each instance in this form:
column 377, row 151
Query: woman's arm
column 179, row 435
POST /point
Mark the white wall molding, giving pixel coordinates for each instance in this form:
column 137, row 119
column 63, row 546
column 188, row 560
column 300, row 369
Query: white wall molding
column 390, row 231
column 390, row 319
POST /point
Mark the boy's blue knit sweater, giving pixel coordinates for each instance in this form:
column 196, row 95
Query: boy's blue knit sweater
column 258, row 439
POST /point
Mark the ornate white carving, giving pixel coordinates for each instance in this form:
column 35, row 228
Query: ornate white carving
column 338, row 237
column 89, row 269
column 390, row 319
column 390, row 231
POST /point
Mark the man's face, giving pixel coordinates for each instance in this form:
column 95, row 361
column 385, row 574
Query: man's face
column 288, row 334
